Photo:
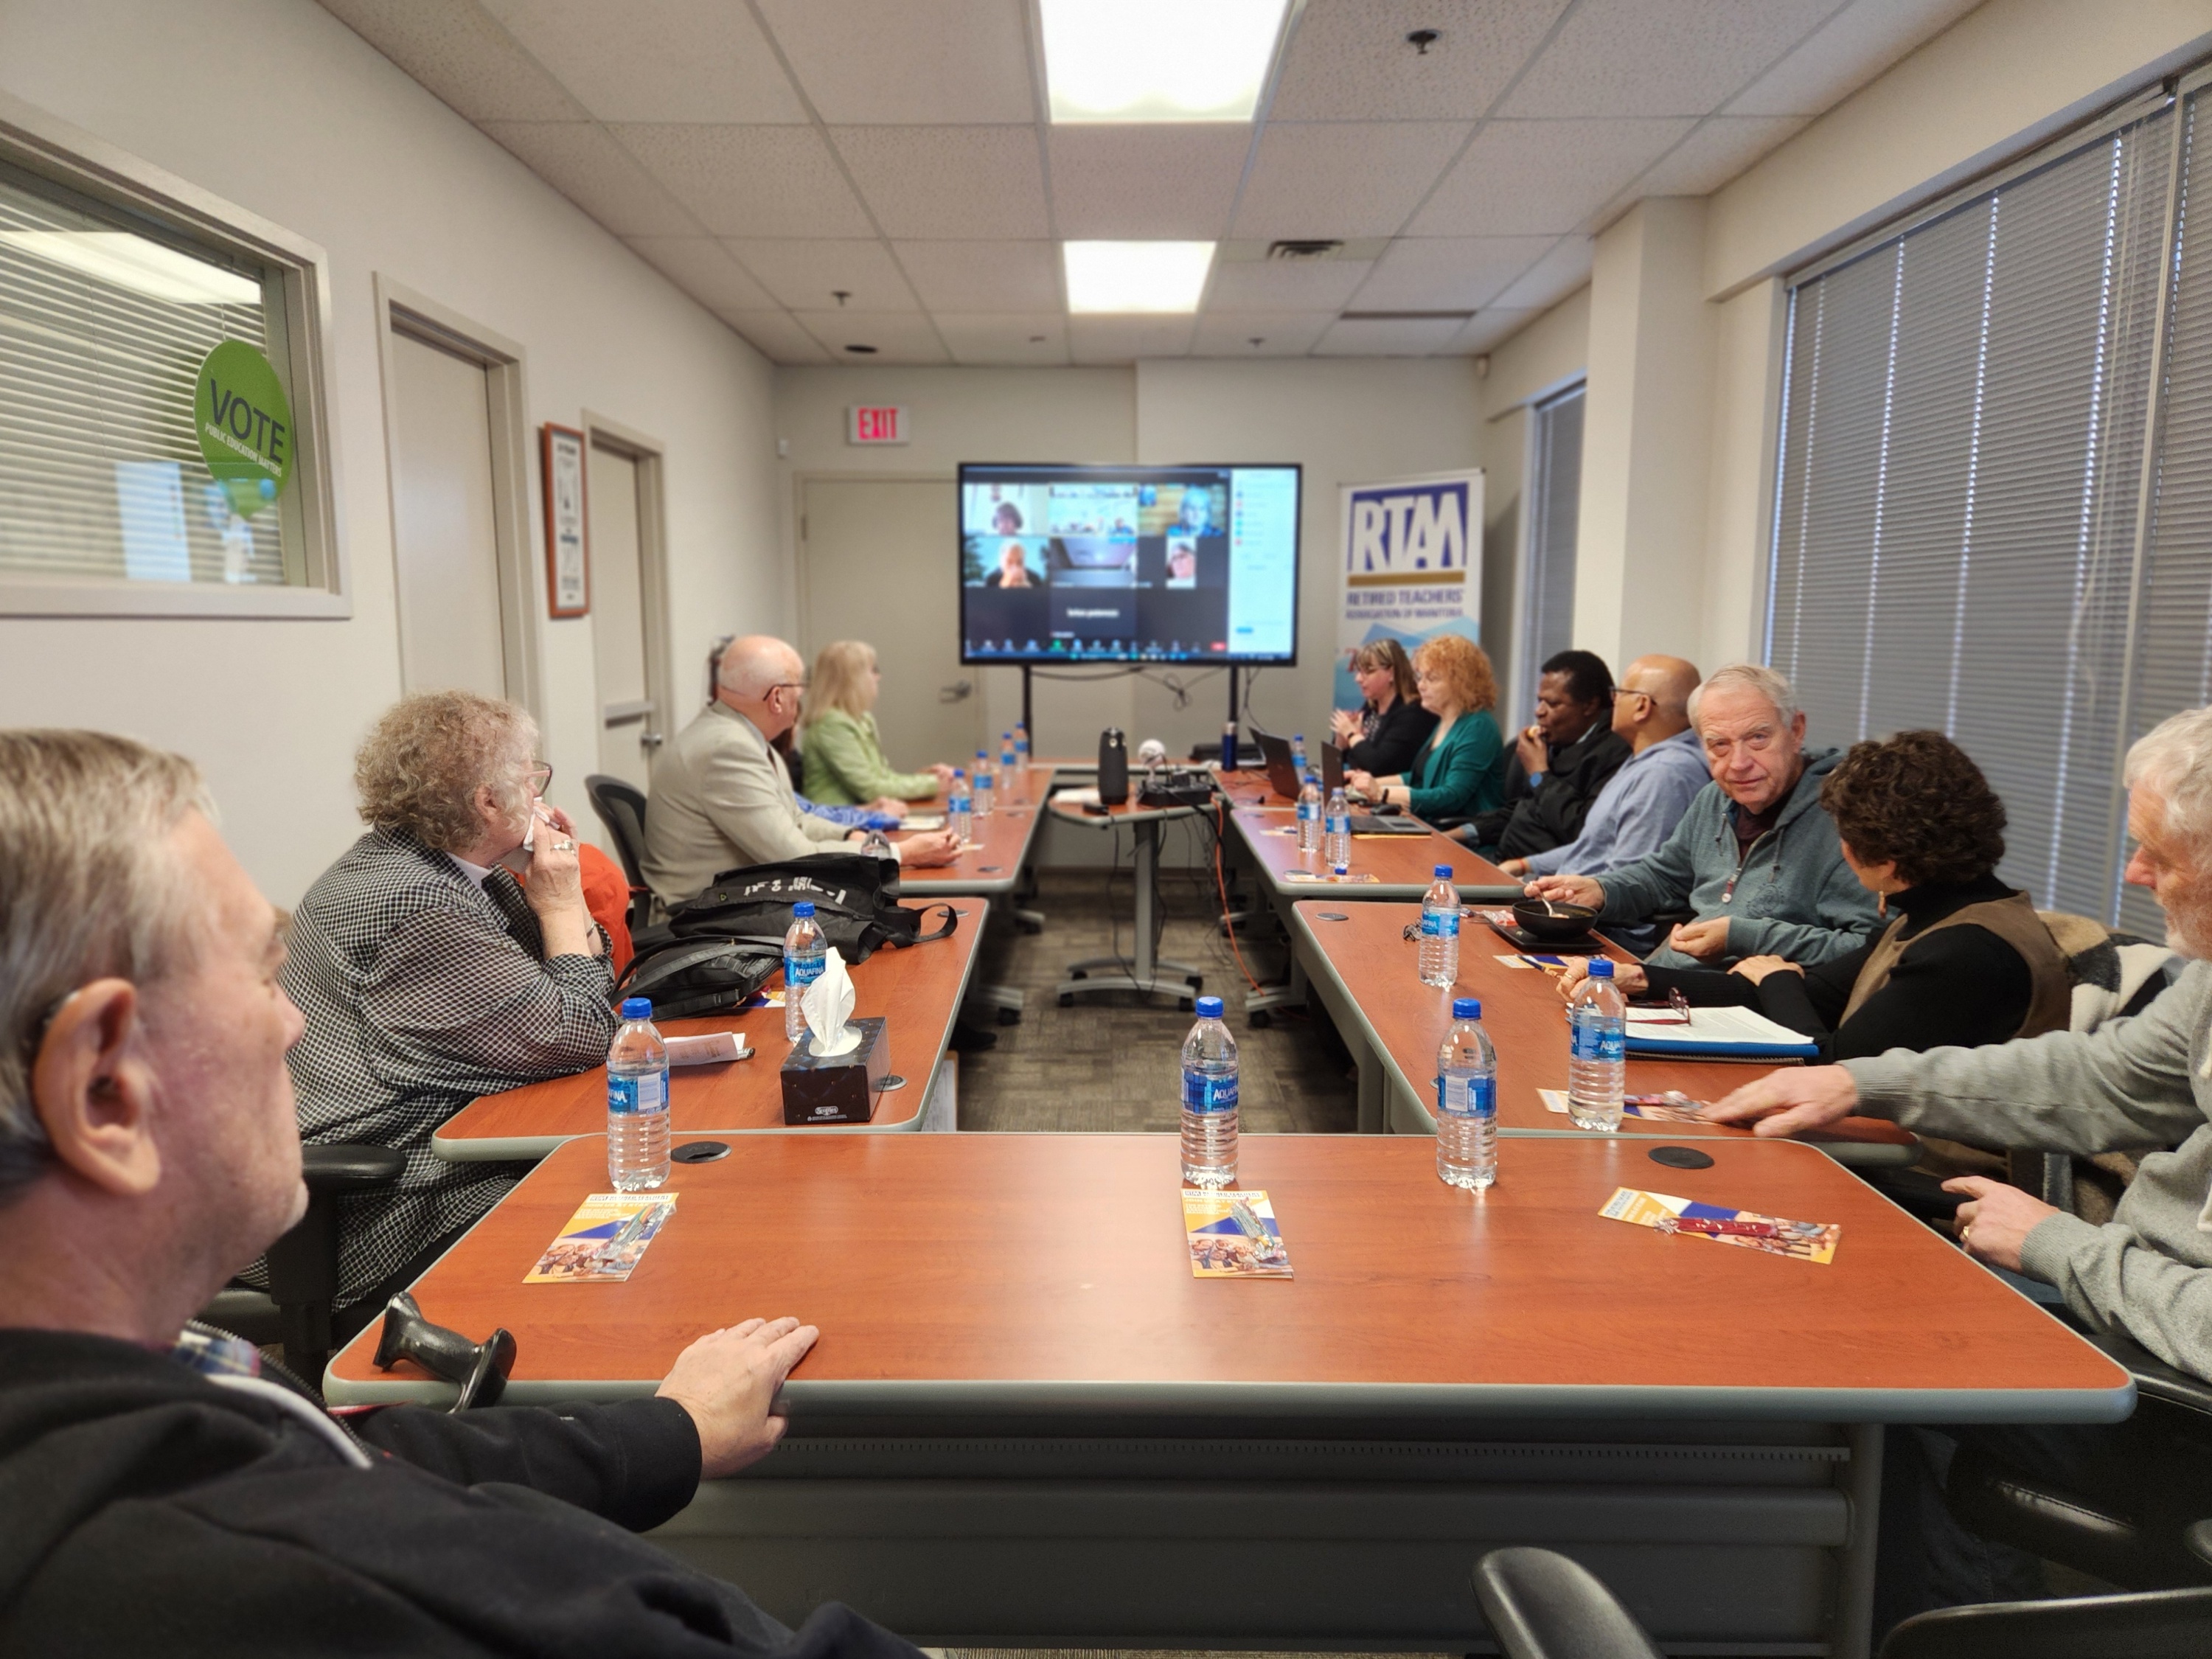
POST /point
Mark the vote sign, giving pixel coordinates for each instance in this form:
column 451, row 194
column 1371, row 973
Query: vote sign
column 244, row 424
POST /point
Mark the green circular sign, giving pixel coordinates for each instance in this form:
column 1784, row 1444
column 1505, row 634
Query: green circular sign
column 244, row 424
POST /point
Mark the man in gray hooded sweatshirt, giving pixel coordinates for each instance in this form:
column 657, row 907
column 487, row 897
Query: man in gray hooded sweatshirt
column 1756, row 857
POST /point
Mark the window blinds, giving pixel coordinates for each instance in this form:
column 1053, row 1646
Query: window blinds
column 1555, row 494
column 1960, row 472
column 100, row 474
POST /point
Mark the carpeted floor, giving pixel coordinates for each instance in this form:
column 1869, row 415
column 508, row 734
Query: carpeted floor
column 1114, row 1062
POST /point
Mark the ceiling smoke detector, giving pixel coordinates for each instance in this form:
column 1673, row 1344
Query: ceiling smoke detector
column 1316, row 250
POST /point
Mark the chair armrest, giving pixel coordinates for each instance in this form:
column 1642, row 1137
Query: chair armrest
column 350, row 1168
column 1539, row 1604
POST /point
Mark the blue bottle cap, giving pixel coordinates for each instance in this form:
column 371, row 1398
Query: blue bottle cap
column 1467, row 1007
column 1209, row 1007
column 804, row 908
column 959, row 771
column 637, row 1008
column 1443, row 872
column 1601, row 967
column 1299, row 738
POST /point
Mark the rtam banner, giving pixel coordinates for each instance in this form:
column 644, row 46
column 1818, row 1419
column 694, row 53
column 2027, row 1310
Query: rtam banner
column 1413, row 565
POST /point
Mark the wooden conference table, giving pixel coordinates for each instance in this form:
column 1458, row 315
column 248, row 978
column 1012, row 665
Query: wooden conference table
column 991, row 867
column 918, row 990
column 1027, row 1424
column 1365, row 971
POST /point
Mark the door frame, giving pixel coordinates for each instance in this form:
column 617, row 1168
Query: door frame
column 649, row 455
column 402, row 311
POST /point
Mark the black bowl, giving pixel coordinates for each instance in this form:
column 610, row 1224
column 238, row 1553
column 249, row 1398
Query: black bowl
column 1554, row 923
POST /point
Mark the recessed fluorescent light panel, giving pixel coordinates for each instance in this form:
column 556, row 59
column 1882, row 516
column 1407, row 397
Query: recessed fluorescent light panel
column 1157, row 60
column 133, row 262
column 1136, row 277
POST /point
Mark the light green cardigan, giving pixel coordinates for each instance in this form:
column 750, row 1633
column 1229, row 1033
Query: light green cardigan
column 845, row 763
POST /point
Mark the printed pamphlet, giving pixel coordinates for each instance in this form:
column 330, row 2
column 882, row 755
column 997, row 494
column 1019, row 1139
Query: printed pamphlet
column 604, row 1240
column 1808, row 1241
column 1233, row 1235
column 1671, row 1107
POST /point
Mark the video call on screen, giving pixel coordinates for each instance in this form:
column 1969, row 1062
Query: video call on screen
column 1127, row 563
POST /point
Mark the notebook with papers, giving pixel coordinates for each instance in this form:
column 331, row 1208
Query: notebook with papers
column 1717, row 1033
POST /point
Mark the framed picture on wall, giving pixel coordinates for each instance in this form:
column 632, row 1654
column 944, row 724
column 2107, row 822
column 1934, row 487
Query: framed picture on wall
column 568, row 547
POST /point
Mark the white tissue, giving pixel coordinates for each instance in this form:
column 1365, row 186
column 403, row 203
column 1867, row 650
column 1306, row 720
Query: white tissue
column 828, row 1005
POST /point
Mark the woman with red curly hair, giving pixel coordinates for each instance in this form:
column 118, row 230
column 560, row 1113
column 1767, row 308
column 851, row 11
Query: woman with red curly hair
column 1461, row 769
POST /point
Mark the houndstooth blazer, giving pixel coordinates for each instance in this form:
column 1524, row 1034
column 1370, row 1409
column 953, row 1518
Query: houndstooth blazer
column 422, row 991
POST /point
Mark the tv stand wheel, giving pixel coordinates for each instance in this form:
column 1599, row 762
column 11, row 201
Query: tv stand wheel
column 1259, row 1019
column 1009, row 1016
column 1068, row 999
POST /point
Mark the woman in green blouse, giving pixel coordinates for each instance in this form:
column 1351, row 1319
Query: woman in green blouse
column 845, row 763
column 1461, row 770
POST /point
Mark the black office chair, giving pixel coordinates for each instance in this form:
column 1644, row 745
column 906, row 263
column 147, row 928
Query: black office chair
column 1539, row 1604
column 303, row 1264
column 621, row 809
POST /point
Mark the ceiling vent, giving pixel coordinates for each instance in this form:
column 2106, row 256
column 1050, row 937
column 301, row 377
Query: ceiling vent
column 1299, row 251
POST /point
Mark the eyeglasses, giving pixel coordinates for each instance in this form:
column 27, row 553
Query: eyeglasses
column 785, row 685
column 1619, row 691
column 540, row 779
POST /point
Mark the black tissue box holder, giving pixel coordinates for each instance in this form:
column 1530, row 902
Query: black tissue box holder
column 837, row 1088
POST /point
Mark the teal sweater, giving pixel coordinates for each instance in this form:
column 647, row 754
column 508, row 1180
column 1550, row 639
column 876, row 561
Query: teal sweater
column 1463, row 774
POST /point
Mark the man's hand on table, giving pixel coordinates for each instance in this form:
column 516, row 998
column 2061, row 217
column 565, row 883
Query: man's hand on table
column 1569, row 890
column 1705, row 940
column 727, row 1381
column 1790, row 1101
column 1628, row 976
column 1516, row 868
column 1997, row 1218
column 924, row 851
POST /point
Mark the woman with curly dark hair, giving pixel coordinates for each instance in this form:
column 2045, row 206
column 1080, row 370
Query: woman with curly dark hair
column 1965, row 959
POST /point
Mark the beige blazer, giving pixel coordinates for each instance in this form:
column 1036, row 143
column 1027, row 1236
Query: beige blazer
column 721, row 799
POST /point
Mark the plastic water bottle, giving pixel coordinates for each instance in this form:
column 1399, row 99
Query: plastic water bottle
column 1310, row 815
column 1021, row 744
column 1298, row 753
column 804, row 951
column 1209, row 1100
column 1337, row 834
column 1012, row 776
column 1597, row 1050
column 986, row 784
column 637, row 1102
column 960, row 809
column 1440, row 932
column 1467, row 1100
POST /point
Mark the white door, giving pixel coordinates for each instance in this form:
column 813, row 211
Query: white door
column 629, row 721
column 444, row 534
column 880, row 561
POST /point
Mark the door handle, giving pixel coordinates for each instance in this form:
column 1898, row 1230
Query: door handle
column 650, row 740
column 959, row 691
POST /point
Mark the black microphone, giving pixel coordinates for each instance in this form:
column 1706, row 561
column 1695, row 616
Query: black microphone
column 1113, row 768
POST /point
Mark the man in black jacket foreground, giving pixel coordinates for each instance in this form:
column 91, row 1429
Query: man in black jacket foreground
column 156, row 1496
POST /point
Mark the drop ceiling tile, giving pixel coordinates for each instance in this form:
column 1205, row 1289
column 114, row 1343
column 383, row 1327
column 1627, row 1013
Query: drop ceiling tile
column 1343, row 178
column 1850, row 49
column 1440, row 273
column 1285, row 285
column 1408, row 338
column 751, row 181
column 1156, row 183
column 952, row 182
column 1350, row 60
column 656, row 60
column 1525, row 177
column 1622, row 57
column 806, row 275
column 1552, row 277
column 703, row 268
column 919, row 62
column 461, row 56
column 578, row 159
column 898, row 337
column 1722, row 147
column 1006, row 337
column 1126, row 339
column 1492, row 328
column 780, row 340
column 983, row 277
column 1279, row 333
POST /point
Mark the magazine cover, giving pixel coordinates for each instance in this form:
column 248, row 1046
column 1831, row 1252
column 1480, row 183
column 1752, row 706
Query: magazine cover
column 604, row 1240
column 1233, row 1235
column 1671, row 1107
column 1808, row 1241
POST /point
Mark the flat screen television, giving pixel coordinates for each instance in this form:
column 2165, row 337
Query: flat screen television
column 1131, row 564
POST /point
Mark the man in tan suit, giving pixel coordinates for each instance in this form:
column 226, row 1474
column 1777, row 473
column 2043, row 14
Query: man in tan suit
column 722, row 796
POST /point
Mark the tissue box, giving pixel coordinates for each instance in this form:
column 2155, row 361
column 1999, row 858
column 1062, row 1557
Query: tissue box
column 838, row 1088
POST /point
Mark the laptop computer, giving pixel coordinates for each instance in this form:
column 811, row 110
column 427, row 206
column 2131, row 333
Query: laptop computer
column 1363, row 824
column 1282, row 776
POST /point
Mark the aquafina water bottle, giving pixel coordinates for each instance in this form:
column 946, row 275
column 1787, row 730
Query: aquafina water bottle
column 986, row 784
column 960, row 809
column 804, row 949
column 1440, row 930
column 637, row 1102
column 1597, row 1050
column 1209, row 1100
column 1310, row 815
column 1466, row 1101
column 1013, row 778
column 1336, row 834
column 1298, row 754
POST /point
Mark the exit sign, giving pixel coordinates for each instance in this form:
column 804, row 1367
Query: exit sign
column 875, row 424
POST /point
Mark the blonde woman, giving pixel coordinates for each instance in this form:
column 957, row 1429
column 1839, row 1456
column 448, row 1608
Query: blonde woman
column 845, row 763
column 1461, row 770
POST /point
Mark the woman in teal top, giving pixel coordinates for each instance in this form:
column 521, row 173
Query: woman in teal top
column 1461, row 770
column 844, row 752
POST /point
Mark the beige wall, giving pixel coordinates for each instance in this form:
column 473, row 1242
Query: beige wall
column 335, row 144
